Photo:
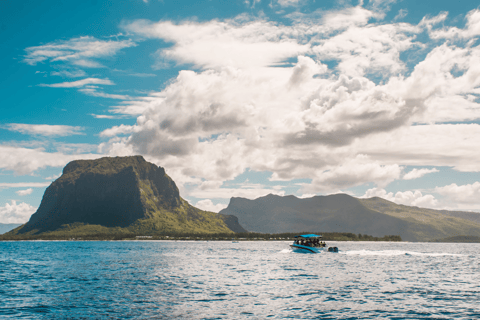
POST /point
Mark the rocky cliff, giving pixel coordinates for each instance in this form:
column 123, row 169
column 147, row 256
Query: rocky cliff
column 124, row 192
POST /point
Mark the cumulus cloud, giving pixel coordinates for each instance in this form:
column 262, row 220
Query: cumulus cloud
column 418, row 173
column 208, row 205
column 24, row 192
column 361, row 49
column 44, row 129
column 78, row 51
column 454, row 145
column 216, row 44
column 408, row 198
column 328, row 97
column 463, row 195
column 16, row 213
column 352, row 173
column 25, row 160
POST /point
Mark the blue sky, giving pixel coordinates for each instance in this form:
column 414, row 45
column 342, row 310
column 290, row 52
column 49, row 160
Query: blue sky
column 245, row 98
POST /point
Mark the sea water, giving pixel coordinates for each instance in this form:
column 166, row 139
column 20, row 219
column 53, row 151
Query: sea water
column 225, row 280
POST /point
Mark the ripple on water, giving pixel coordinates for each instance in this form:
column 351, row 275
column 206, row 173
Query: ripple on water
column 218, row 280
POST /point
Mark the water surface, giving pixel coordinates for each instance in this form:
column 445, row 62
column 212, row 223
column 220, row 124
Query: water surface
column 225, row 280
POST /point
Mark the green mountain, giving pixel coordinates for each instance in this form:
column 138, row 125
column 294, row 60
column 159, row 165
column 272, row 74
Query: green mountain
column 119, row 195
column 343, row 213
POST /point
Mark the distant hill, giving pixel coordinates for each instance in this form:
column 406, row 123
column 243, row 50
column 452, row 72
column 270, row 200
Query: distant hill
column 5, row 227
column 463, row 239
column 343, row 213
column 122, row 194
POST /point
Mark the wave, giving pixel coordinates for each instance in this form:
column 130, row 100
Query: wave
column 398, row 253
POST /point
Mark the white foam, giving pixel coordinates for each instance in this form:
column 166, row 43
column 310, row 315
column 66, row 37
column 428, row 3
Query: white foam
column 398, row 253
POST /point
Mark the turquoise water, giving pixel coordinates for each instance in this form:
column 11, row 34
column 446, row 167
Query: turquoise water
column 225, row 280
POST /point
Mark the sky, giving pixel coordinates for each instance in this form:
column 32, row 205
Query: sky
column 244, row 98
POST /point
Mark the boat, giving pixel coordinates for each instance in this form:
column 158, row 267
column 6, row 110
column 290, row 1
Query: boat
column 310, row 243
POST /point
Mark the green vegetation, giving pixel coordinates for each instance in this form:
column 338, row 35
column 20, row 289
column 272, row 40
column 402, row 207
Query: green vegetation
column 464, row 239
column 80, row 231
column 425, row 224
column 118, row 196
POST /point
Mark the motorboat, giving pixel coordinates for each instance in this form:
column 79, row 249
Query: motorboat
column 310, row 243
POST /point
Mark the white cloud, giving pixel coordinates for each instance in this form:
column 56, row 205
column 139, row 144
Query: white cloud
column 472, row 28
column 418, row 173
column 24, row 192
column 307, row 195
column 106, row 116
column 408, row 198
column 54, row 177
column 25, row 160
column 24, row 184
column 362, row 49
column 227, row 193
column 79, row 83
column 288, row 3
column 359, row 120
column 402, row 13
column 76, row 73
column 44, row 129
column 117, row 130
column 94, row 93
column 454, row 145
column 216, row 44
column 208, row 205
column 16, row 213
column 463, row 195
column 78, row 51
column 354, row 172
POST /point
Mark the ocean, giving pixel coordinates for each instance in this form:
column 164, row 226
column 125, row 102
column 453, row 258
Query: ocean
column 245, row 280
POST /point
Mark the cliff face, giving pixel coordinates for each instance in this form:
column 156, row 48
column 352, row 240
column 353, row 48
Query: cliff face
column 120, row 192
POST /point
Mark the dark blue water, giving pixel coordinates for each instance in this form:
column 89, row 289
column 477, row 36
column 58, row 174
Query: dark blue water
column 224, row 280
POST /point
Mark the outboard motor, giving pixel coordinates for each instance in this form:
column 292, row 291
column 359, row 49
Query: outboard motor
column 332, row 249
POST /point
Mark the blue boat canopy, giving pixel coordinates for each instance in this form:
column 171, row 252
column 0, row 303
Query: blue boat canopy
column 306, row 236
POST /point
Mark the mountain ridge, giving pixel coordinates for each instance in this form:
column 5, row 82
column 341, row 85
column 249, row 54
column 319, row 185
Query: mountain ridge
column 344, row 213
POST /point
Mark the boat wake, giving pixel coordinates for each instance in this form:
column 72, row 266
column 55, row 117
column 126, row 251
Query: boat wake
column 398, row 253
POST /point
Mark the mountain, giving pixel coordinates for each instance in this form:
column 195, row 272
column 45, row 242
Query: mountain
column 5, row 227
column 123, row 194
column 344, row 213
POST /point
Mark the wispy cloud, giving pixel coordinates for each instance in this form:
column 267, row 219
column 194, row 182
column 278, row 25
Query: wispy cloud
column 78, row 83
column 142, row 75
column 24, row 184
column 76, row 73
column 418, row 173
column 107, row 116
column 44, row 129
column 78, row 51
column 94, row 93
column 24, row 192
